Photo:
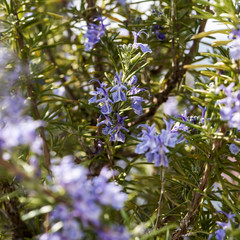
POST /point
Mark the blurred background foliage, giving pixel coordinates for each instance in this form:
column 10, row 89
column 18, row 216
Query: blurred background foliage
column 43, row 57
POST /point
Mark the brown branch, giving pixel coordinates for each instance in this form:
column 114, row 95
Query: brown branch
column 176, row 77
column 24, row 56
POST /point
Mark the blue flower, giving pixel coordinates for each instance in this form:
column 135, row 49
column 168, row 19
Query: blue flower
column 94, row 33
column 234, row 50
column 17, row 129
column 147, row 139
column 159, row 35
column 203, row 113
column 116, row 134
column 104, row 100
column 108, row 124
column 180, row 127
column 230, row 106
column 221, row 232
column 168, row 137
column 144, row 47
column 118, row 94
column 154, row 145
column 234, row 149
column 136, row 100
column 122, row 2
column 114, row 233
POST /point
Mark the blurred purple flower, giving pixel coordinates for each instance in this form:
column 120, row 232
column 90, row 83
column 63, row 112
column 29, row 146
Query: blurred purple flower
column 203, row 113
column 234, row 149
column 170, row 107
column 234, row 45
column 87, row 197
column 234, row 50
column 114, row 233
column 220, row 234
column 108, row 193
column 159, row 35
column 122, row 2
column 230, row 106
column 15, row 128
column 94, row 33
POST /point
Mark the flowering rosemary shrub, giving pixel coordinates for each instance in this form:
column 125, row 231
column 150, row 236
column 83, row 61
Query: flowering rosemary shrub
column 119, row 120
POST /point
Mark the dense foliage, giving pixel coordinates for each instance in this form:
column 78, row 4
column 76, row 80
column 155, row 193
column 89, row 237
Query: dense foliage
column 119, row 119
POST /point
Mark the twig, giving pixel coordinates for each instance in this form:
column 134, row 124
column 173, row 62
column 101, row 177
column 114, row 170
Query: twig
column 160, row 198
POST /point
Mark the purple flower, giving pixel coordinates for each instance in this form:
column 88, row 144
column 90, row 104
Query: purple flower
column 203, row 113
column 234, row 149
column 94, row 33
column 144, row 47
column 17, row 129
column 147, row 139
column 108, row 193
column 159, row 35
column 122, row 2
column 114, row 233
column 230, row 106
column 180, row 127
column 136, row 100
column 118, row 94
column 234, row 50
column 234, row 45
column 87, row 196
column 101, row 97
column 155, row 146
column 221, row 233
column 108, row 124
column 170, row 107
column 116, row 134
column 168, row 137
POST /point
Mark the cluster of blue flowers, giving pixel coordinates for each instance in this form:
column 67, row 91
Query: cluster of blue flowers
column 84, row 211
column 230, row 106
column 221, row 232
column 154, row 145
column 113, row 121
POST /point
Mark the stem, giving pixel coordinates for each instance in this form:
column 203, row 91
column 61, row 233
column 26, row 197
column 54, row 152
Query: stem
column 160, row 197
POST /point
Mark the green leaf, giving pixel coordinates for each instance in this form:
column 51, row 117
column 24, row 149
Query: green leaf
column 206, row 34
